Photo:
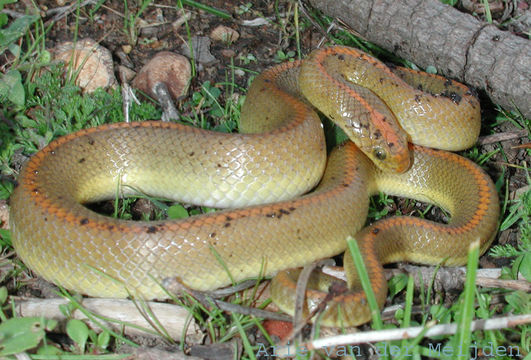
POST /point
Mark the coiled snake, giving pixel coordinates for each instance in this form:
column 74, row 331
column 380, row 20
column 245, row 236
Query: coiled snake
column 280, row 156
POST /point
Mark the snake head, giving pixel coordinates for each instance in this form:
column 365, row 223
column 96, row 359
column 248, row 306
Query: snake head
column 383, row 140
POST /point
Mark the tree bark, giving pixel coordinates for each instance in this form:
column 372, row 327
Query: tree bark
column 461, row 47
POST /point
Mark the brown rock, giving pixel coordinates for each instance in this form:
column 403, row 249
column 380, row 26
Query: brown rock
column 228, row 53
column 224, row 34
column 88, row 60
column 4, row 214
column 172, row 69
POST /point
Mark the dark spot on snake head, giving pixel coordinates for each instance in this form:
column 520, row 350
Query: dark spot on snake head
column 15, row 184
column 228, row 218
column 218, row 165
column 191, row 154
column 375, row 231
column 381, row 80
column 344, row 185
column 420, row 87
column 417, row 98
column 226, row 225
column 341, row 57
column 91, row 141
column 110, row 227
column 377, row 134
column 83, row 221
column 270, row 215
column 284, row 211
column 212, row 235
column 267, row 80
column 391, row 144
column 292, row 208
column 447, row 83
column 45, row 219
column 456, row 98
column 81, row 161
column 151, row 229
column 496, row 38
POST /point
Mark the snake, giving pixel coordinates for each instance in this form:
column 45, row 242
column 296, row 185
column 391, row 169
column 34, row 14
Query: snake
column 285, row 201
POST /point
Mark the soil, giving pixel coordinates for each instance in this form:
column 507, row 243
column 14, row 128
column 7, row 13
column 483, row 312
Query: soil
column 154, row 33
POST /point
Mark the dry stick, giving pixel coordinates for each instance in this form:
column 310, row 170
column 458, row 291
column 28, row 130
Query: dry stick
column 447, row 278
column 172, row 317
column 300, row 296
column 522, row 285
column 127, row 94
column 490, row 139
column 452, row 278
column 61, row 12
column 164, row 98
column 389, row 313
column 208, row 301
column 304, row 11
column 404, row 333
column 13, row 14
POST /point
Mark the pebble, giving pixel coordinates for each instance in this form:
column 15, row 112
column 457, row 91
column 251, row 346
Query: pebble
column 90, row 61
column 170, row 68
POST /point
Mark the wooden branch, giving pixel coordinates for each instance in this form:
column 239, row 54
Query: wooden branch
column 172, row 317
column 412, row 332
column 445, row 278
column 461, row 47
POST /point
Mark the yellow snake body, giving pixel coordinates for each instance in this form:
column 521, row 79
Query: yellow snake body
column 281, row 157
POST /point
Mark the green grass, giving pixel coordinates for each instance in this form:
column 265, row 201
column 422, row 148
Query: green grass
column 38, row 105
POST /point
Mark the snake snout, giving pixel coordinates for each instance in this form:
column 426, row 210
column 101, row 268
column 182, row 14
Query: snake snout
column 394, row 157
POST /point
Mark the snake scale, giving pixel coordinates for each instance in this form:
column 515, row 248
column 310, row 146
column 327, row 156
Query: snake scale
column 293, row 203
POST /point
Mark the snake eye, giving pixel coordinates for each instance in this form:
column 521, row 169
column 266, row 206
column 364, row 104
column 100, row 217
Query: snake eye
column 379, row 153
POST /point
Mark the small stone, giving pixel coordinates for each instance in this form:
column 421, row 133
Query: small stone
column 127, row 49
column 224, row 34
column 229, row 53
column 128, row 73
column 201, row 53
column 4, row 214
column 172, row 69
column 90, row 61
